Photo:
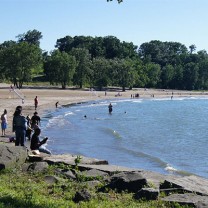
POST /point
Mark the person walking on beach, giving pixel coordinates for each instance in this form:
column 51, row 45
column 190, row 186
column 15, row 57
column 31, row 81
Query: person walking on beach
column 36, row 102
column 110, row 108
column 36, row 144
column 19, row 126
column 57, row 103
column 4, row 122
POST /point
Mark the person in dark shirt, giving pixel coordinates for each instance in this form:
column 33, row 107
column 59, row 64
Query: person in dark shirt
column 35, row 119
column 110, row 108
column 36, row 144
column 19, row 126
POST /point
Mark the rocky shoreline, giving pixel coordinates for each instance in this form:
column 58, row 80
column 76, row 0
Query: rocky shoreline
column 185, row 190
column 190, row 190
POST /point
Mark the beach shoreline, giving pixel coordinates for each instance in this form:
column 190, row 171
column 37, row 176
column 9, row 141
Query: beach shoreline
column 48, row 96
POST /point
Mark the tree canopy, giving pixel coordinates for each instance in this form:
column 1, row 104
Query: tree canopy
column 85, row 61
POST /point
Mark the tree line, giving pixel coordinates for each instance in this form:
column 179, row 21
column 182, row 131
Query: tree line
column 86, row 61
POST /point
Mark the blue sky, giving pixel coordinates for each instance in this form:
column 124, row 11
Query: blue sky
column 136, row 21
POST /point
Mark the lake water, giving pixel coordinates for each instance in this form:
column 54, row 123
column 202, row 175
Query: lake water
column 163, row 135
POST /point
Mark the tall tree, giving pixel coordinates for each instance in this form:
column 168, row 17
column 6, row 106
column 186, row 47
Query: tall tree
column 100, row 69
column 192, row 48
column 161, row 53
column 60, row 68
column 83, row 67
column 31, row 36
column 18, row 60
column 167, row 76
column 123, row 73
column 153, row 72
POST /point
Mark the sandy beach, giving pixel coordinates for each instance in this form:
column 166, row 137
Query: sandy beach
column 48, row 96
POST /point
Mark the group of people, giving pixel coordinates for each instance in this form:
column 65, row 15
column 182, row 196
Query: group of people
column 30, row 128
column 26, row 127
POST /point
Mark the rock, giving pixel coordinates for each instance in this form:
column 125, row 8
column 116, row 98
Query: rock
column 35, row 158
column 94, row 173
column 188, row 199
column 93, row 184
column 110, row 169
column 25, row 167
column 83, row 195
column 193, row 184
column 67, row 173
column 51, row 179
column 147, row 193
column 130, row 181
column 38, row 167
column 69, row 159
column 12, row 156
column 154, row 179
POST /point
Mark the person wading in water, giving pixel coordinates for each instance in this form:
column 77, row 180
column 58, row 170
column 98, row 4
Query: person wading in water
column 110, row 108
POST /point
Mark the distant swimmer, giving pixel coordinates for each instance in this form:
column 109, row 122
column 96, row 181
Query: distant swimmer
column 85, row 116
column 110, row 108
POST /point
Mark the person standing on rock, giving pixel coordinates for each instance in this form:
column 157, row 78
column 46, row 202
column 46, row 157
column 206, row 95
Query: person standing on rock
column 4, row 122
column 19, row 126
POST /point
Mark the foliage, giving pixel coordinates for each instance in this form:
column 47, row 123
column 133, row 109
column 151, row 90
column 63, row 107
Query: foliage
column 83, row 67
column 104, row 61
column 77, row 161
column 17, row 60
column 32, row 37
column 22, row 190
column 60, row 68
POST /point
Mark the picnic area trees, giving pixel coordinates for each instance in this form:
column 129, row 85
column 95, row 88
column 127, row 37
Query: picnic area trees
column 17, row 60
column 59, row 68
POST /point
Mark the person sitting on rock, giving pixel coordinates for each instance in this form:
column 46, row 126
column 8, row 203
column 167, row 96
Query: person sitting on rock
column 36, row 144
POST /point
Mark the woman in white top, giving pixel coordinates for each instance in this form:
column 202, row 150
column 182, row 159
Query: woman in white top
column 4, row 122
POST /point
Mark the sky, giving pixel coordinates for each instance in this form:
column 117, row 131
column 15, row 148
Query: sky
column 136, row 21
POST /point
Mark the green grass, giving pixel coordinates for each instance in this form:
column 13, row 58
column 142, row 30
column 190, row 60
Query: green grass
column 21, row 190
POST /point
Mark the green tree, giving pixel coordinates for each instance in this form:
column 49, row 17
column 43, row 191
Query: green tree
column 177, row 82
column 83, row 66
column 100, row 69
column 192, row 48
column 18, row 60
column 162, row 53
column 167, row 75
column 190, row 76
column 153, row 72
column 31, row 36
column 60, row 68
column 123, row 73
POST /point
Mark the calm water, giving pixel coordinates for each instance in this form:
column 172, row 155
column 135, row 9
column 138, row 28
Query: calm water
column 167, row 136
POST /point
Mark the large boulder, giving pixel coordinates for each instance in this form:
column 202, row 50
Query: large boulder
column 192, row 184
column 127, row 181
column 189, row 199
column 12, row 156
